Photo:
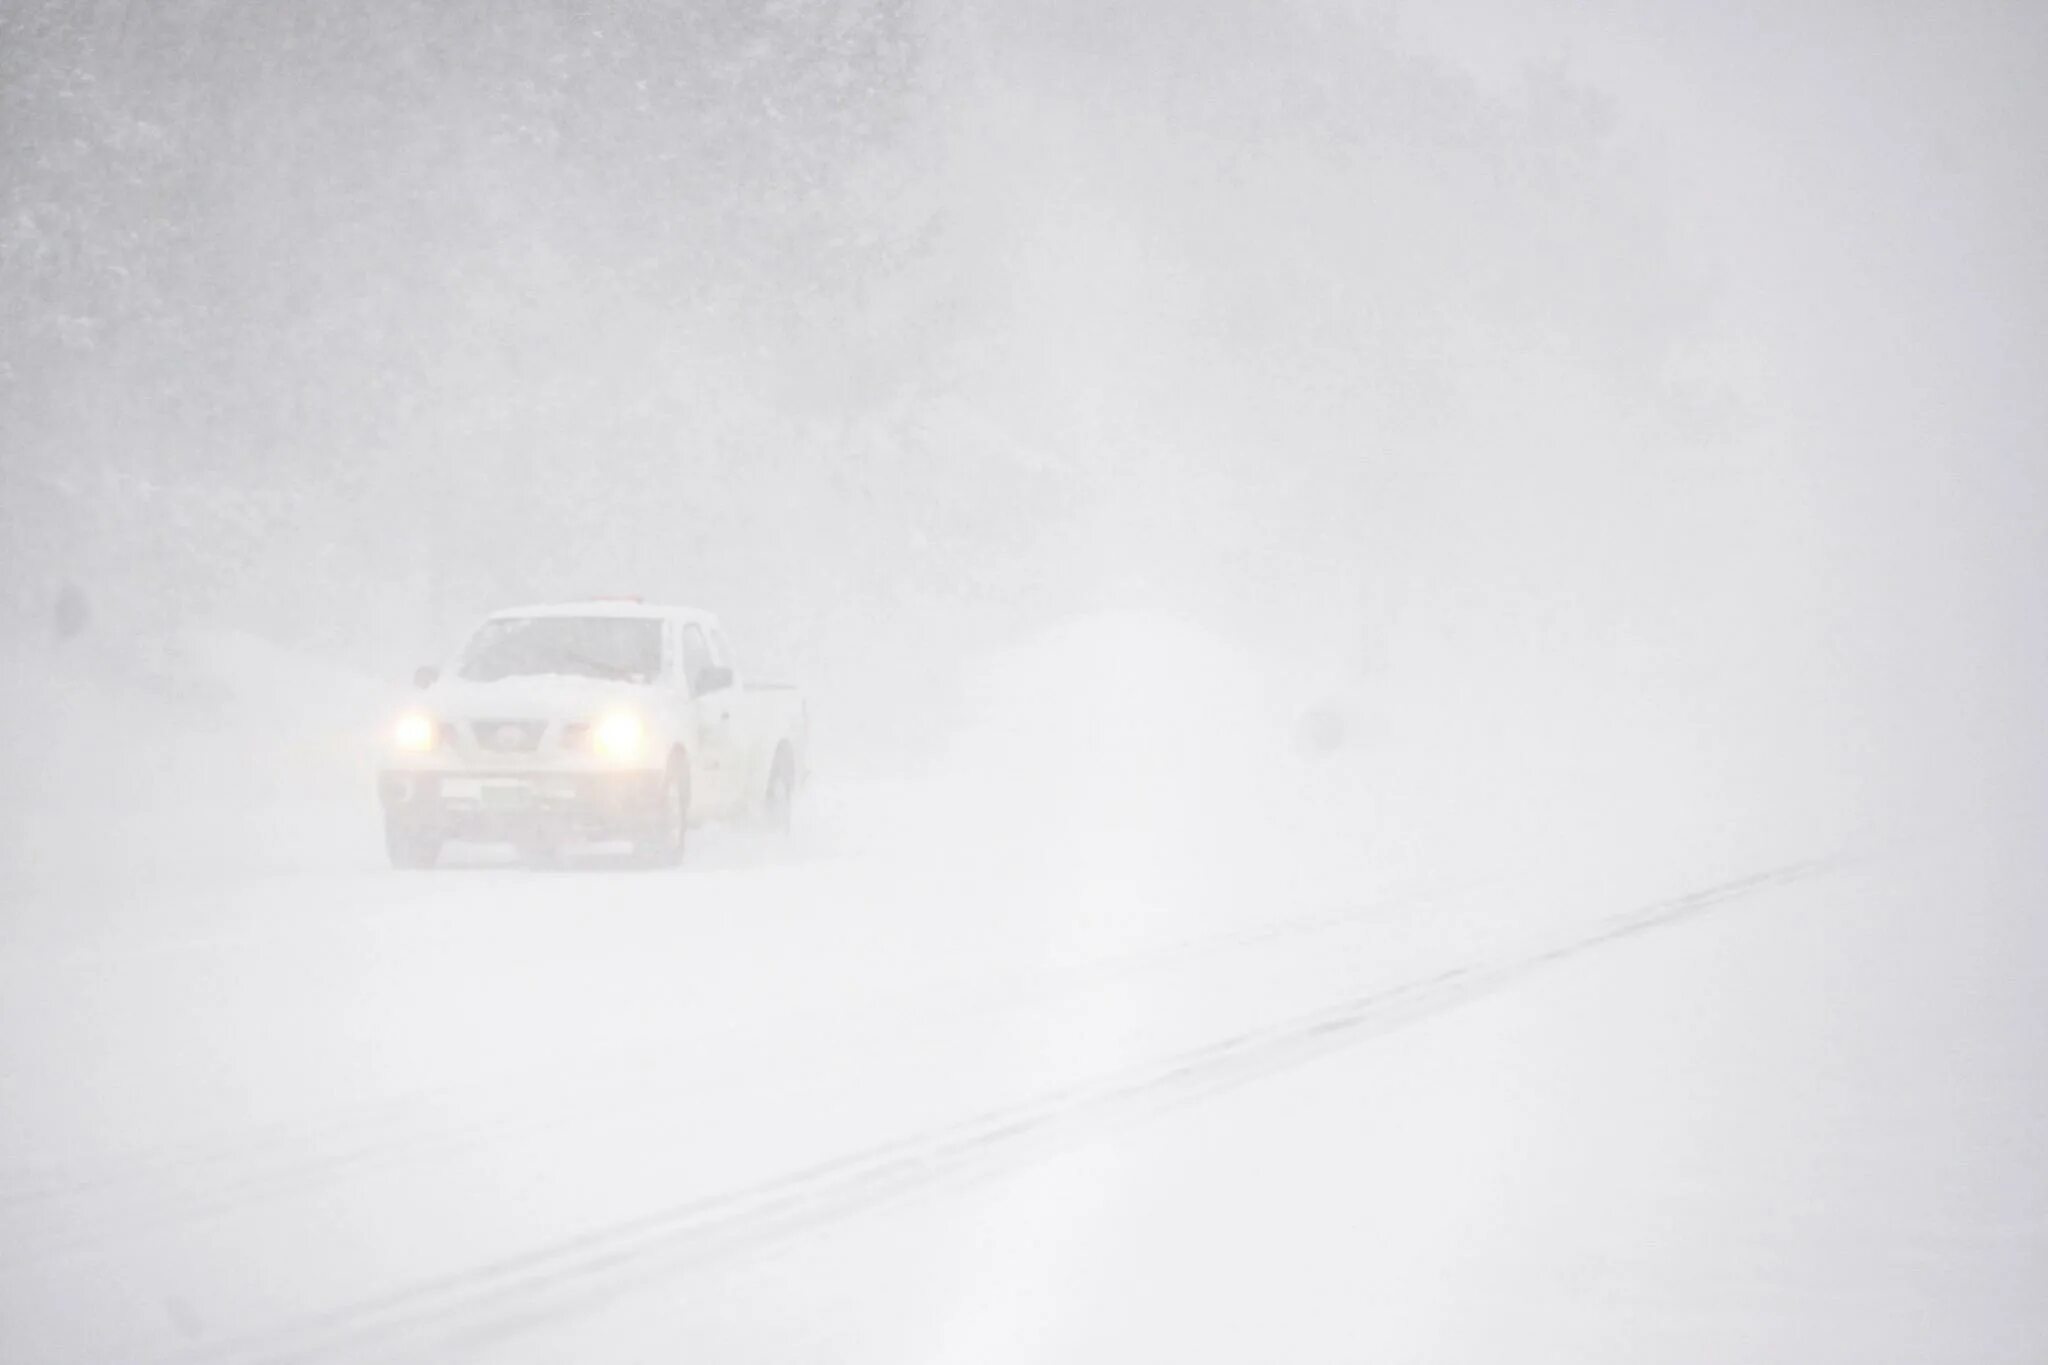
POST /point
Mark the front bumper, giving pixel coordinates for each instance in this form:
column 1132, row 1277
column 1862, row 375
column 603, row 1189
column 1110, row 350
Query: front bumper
column 512, row 806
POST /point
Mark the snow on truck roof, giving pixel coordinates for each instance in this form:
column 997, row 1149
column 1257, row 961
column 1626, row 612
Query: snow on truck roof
column 624, row 607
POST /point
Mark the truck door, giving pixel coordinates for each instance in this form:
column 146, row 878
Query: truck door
column 715, row 767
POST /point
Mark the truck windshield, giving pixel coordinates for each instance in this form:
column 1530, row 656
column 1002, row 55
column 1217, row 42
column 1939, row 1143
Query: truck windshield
column 623, row 648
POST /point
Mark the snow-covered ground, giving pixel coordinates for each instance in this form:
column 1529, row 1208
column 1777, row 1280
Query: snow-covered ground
column 1805, row 1126
column 908, row 1088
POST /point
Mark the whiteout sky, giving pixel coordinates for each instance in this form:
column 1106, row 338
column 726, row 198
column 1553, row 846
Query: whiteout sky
column 1680, row 355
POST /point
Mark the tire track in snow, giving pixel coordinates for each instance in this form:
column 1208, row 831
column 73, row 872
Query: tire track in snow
column 431, row 1319
column 165, row 1187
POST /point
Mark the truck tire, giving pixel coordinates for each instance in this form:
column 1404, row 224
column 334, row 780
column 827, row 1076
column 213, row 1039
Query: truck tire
column 662, row 845
column 409, row 846
column 778, row 804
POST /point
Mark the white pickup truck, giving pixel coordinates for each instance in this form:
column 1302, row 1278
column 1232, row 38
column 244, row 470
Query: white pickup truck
column 599, row 720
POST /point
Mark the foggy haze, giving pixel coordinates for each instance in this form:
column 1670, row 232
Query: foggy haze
column 1204, row 464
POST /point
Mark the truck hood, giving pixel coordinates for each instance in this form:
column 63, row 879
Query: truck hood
column 551, row 696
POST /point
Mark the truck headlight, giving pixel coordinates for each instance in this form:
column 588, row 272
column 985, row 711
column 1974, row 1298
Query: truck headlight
column 619, row 735
column 416, row 732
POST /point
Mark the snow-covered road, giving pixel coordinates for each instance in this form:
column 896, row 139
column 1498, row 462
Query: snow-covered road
column 599, row 1113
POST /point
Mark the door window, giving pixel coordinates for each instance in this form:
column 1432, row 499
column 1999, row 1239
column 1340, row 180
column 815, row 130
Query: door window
column 696, row 655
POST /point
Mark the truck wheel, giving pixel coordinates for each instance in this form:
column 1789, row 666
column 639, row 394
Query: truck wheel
column 409, row 846
column 662, row 846
column 779, row 805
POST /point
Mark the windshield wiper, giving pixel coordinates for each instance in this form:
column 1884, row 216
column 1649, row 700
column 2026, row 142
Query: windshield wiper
column 598, row 668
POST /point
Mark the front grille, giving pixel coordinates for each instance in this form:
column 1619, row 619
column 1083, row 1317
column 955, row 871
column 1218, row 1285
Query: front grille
column 508, row 736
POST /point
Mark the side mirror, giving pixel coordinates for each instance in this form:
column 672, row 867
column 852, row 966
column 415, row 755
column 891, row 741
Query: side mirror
column 712, row 678
column 425, row 675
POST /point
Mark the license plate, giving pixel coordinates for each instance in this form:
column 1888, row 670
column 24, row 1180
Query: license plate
column 490, row 795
